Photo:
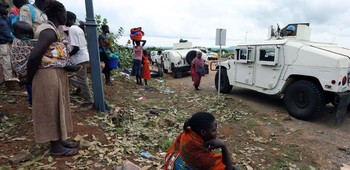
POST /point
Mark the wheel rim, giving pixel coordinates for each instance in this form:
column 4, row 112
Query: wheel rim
column 301, row 100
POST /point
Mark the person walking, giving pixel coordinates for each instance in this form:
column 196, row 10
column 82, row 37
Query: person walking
column 51, row 109
column 197, row 70
column 5, row 43
column 79, row 55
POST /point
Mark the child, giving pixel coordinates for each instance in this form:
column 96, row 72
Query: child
column 192, row 149
column 23, row 30
column 146, row 74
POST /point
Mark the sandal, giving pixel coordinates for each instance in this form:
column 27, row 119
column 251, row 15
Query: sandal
column 65, row 152
column 70, row 143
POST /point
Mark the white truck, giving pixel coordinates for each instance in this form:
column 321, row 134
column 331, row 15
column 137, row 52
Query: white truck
column 179, row 59
column 308, row 75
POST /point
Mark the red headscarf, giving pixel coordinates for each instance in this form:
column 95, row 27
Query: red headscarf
column 15, row 11
column 198, row 61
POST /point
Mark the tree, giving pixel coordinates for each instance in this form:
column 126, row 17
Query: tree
column 125, row 53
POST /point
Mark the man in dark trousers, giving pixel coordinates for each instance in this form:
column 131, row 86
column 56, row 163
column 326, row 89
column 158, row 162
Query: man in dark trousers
column 79, row 55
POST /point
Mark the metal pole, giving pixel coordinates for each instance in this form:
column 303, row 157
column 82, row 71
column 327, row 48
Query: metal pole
column 219, row 82
column 94, row 57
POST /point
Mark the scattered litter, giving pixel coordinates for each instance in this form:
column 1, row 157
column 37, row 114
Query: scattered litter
column 149, row 88
column 125, row 75
column 127, row 70
column 12, row 101
column 159, row 80
column 166, row 90
column 146, row 154
column 141, row 98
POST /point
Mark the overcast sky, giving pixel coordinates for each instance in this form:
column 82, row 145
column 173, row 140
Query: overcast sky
column 166, row 21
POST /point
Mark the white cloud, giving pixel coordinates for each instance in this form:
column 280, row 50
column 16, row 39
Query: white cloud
column 197, row 20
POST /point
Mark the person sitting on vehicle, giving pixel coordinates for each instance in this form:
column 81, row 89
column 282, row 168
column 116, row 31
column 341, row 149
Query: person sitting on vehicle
column 192, row 148
column 291, row 30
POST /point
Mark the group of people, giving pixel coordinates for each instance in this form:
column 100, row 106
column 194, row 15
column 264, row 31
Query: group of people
column 52, row 120
column 57, row 52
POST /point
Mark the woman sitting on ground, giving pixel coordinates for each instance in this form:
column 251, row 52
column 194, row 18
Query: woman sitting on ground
column 192, row 149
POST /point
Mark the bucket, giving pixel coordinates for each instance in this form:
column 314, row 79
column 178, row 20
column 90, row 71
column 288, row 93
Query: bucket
column 113, row 63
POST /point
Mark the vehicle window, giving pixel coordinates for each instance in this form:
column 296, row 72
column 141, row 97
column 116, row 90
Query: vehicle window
column 243, row 53
column 267, row 54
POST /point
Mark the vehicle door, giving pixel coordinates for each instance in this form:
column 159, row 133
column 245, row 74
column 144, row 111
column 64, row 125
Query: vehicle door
column 268, row 66
column 166, row 60
column 245, row 60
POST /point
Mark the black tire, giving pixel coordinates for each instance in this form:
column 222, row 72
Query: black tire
column 173, row 72
column 225, row 86
column 304, row 99
column 190, row 56
column 206, row 69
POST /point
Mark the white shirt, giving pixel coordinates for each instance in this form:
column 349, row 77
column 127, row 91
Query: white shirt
column 77, row 38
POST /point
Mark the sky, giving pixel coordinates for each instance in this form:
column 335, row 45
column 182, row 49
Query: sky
column 166, row 21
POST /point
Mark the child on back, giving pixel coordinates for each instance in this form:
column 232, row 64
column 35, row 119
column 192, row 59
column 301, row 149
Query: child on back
column 192, row 149
column 23, row 30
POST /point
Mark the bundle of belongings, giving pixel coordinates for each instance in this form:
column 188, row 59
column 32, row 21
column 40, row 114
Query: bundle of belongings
column 136, row 34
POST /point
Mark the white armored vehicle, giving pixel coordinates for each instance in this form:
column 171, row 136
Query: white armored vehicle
column 179, row 59
column 307, row 74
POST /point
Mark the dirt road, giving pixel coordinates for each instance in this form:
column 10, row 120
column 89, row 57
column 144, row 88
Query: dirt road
column 321, row 137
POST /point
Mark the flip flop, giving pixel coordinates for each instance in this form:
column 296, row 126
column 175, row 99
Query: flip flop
column 65, row 152
column 70, row 144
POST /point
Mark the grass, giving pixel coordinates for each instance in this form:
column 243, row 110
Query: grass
column 166, row 144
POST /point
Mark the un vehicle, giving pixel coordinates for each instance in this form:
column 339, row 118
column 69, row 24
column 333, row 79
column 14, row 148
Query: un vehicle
column 308, row 75
column 179, row 59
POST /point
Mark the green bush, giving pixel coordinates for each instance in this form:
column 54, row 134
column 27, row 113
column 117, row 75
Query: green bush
column 125, row 53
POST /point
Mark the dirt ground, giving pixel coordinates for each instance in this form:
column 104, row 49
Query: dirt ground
column 321, row 137
column 257, row 128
